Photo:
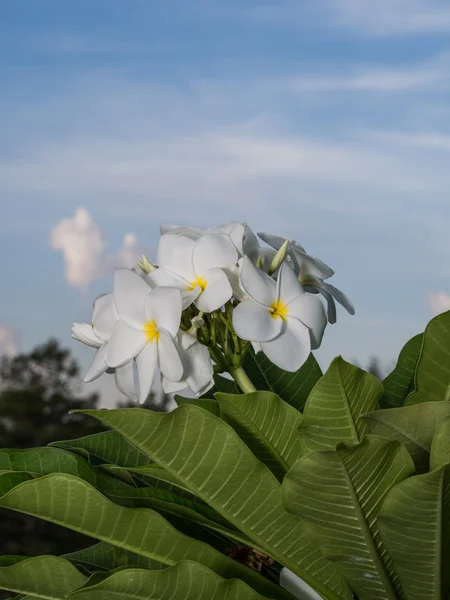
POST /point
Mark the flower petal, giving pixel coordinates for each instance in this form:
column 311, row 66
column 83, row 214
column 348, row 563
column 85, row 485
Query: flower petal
column 105, row 316
column 130, row 292
column 288, row 286
column 191, row 232
column 291, row 348
column 340, row 297
column 175, row 255
column 331, row 304
column 172, row 387
column 98, row 365
column 254, row 323
column 258, row 285
column 296, row 586
column 217, row 292
column 310, row 311
column 124, row 344
column 125, row 382
column 213, row 250
column 83, row 332
column 233, row 273
column 311, row 266
column 163, row 305
column 198, row 371
column 189, row 298
column 168, row 357
column 146, row 362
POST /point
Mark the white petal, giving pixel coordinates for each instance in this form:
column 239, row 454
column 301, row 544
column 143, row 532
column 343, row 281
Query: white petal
column 198, row 371
column 124, row 344
column 331, row 304
column 233, row 273
column 98, row 365
column 235, row 231
column 211, row 251
column 191, row 232
column 291, row 348
column 250, row 243
column 217, row 292
column 288, row 286
column 146, row 362
column 105, row 316
column 340, row 297
column 125, row 383
column 310, row 311
column 172, row 387
column 161, row 277
column 189, row 297
column 163, row 305
column 255, row 323
column 310, row 266
column 296, row 586
column 256, row 347
column 130, row 292
column 82, row 332
column 257, row 284
column 274, row 240
column 168, row 357
column 175, row 255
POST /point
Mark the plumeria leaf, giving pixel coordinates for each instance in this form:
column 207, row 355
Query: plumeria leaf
column 267, row 425
column 332, row 413
column 107, row 446
column 432, row 374
column 185, row 506
column 399, row 382
column 47, row 577
column 58, row 498
column 440, row 446
column 415, row 528
column 293, row 388
column 7, row 561
column 413, row 426
column 106, row 557
column 343, row 511
column 187, row 580
column 214, row 463
column 208, row 404
column 42, row 461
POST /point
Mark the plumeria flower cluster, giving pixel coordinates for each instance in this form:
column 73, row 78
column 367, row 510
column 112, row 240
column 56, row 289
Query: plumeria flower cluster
column 213, row 294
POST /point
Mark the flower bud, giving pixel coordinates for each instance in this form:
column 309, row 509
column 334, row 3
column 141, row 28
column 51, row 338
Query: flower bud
column 278, row 258
column 145, row 265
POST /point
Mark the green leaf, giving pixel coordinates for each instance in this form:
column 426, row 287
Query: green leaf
column 398, row 383
column 109, row 447
column 46, row 577
column 333, row 410
column 7, row 561
column 184, row 506
column 58, row 498
column 43, row 461
column 432, row 375
column 105, row 557
column 415, row 528
column 185, row 581
column 214, row 463
column 267, row 425
column 208, row 404
column 293, row 388
column 413, row 426
column 440, row 446
column 340, row 493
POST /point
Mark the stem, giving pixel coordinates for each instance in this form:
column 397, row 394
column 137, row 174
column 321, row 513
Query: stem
column 242, row 379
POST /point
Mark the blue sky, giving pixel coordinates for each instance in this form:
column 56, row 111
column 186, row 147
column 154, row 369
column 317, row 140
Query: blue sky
column 323, row 120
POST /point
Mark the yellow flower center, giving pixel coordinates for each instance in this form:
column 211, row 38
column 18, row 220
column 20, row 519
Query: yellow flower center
column 151, row 333
column 279, row 310
column 200, row 282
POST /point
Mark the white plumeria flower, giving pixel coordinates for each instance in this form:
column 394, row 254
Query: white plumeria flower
column 311, row 273
column 196, row 268
column 198, row 370
column 296, row 586
column 97, row 335
column 286, row 322
column 149, row 320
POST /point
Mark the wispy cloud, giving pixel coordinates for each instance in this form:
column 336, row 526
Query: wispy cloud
column 421, row 140
column 9, row 341
column 439, row 302
column 393, row 17
column 82, row 244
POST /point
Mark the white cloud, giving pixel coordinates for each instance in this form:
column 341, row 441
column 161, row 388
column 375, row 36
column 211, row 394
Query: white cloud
column 86, row 259
column 393, row 17
column 439, row 302
column 9, row 343
column 422, row 140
